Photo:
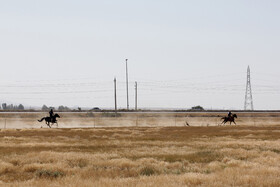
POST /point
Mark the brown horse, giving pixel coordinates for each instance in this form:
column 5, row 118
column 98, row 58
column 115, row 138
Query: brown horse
column 229, row 118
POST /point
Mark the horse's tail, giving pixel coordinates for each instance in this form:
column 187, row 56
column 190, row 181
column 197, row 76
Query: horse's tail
column 41, row 119
column 223, row 118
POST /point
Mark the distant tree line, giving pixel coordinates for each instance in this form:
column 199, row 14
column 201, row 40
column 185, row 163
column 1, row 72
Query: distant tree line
column 60, row 108
column 63, row 108
column 12, row 107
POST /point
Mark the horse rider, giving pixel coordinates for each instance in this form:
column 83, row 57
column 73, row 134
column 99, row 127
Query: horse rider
column 51, row 114
column 229, row 114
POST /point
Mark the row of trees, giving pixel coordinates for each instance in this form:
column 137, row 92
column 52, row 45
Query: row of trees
column 60, row 108
column 12, row 107
column 5, row 106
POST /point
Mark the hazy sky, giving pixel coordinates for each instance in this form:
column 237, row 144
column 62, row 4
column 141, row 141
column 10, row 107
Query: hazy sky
column 181, row 52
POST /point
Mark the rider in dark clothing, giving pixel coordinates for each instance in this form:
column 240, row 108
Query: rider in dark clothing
column 51, row 114
column 229, row 114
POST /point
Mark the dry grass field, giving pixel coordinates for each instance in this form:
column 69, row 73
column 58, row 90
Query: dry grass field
column 141, row 156
column 146, row 149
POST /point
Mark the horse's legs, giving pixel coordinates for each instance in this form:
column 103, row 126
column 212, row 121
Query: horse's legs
column 234, row 122
column 54, row 123
column 226, row 121
column 230, row 122
column 47, row 123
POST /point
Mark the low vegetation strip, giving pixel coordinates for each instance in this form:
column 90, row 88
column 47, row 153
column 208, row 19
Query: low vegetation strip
column 141, row 156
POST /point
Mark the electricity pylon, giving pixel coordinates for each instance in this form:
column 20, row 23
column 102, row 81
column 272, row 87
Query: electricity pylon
column 248, row 95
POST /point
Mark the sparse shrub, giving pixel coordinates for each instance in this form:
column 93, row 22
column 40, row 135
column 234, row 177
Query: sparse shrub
column 203, row 157
column 49, row 174
column 7, row 170
column 81, row 163
column 172, row 158
column 147, row 171
column 207, row 171
column 276, row 151
column 176, row 172
column 197, row 157
column 107, row 114
column 57, row 174
column 15, row 162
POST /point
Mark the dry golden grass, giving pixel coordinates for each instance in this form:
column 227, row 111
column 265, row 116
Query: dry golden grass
column 141, row 156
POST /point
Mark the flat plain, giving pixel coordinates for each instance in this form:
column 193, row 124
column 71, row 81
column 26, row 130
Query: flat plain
column 203, row 155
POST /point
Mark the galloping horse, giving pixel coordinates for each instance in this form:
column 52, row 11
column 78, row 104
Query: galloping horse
column 229, row 118
column 50, row 120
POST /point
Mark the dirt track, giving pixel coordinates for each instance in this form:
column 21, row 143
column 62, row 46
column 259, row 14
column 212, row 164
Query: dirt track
column 77, row 120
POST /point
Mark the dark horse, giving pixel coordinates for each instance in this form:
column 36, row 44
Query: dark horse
column 229, row 118
column 50, row 120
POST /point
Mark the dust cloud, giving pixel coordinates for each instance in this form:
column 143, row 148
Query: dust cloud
column 91, row 120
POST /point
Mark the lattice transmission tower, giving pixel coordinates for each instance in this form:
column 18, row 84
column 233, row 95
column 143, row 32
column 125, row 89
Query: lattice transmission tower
column 248, row 95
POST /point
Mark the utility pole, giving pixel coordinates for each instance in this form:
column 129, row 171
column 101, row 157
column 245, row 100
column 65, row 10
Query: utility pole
column 127, row 85
column 135, row 96
column 248, row 94
column 115, row 89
